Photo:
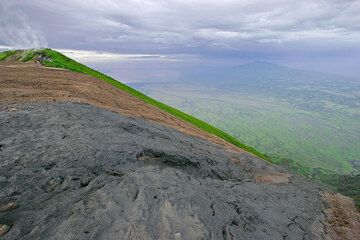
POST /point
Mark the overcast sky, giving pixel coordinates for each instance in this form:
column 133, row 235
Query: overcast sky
column 319, row 35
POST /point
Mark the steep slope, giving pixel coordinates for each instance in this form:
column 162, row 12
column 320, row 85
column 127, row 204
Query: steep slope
column 32, row 82
column 95, row 173
column 81, row 159
column 81, row 172
column 51, row 58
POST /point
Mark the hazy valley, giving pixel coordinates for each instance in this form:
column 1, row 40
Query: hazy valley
column 309, row 118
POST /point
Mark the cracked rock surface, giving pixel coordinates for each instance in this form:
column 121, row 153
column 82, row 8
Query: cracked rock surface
column 75, row 171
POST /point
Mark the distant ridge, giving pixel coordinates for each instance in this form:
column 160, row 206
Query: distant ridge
column 259, row 64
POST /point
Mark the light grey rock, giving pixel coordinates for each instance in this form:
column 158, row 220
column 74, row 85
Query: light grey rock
column 80, row 172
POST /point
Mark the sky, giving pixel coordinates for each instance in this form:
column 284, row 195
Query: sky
column 320, row 35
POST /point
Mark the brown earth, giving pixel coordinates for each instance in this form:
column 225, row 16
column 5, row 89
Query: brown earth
column 24, row 82
column 277, row 178
column 267, row 175
column 342, row 218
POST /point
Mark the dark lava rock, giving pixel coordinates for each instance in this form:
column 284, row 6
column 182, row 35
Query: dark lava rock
column 118, row 177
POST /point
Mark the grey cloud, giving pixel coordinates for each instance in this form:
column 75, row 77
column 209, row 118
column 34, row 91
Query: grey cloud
column 177, row 21
column 16, row 29
column 170, row 26
column 96, row 56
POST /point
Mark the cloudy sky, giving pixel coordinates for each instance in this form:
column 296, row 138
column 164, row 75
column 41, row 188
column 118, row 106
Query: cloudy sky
column 320, row 35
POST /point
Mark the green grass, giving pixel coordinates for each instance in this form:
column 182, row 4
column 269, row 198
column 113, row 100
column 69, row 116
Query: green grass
column 51, row 58
column 6, row 54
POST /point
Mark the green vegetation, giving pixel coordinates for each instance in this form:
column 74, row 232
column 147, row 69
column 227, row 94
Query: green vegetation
column 321, row 144
column 6, row 54
column 289, row 135
column 51, row 58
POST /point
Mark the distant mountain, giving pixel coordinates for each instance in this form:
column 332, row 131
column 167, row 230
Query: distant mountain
column 263, row 75
column 305, row 89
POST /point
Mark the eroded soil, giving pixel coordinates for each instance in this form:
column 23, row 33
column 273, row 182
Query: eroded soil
column 343, row 219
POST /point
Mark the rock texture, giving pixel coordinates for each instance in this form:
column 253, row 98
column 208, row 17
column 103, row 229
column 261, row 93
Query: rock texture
column 75, row 171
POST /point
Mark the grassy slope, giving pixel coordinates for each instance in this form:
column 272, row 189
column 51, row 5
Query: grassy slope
column 6, row 54
column 51, row 58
